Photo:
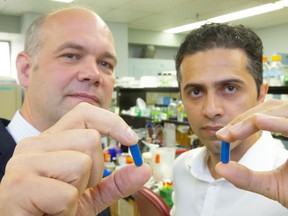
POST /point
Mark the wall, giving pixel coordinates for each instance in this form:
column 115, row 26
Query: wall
column 9, row 24
column 155, row 38
column 274, row 39
column 149, row 67
column 135, row 51
column 120, row 34
column 163, row 59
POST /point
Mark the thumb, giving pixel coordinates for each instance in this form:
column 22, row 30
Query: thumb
column 271, row 184
column 236, row 173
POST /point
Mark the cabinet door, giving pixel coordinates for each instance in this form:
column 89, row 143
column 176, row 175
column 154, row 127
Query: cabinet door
column 11, row 98
column 127, row 207
column 127, row 97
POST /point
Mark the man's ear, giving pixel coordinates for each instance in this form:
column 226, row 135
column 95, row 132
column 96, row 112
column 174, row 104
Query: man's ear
column 24, row 66
column 263, row 92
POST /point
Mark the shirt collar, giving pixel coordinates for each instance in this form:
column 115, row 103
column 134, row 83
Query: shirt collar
column 198, row 165
column 19, row 128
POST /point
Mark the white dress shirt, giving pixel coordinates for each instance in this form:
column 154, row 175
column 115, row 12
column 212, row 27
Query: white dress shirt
column 197, row 193
column 19, row 128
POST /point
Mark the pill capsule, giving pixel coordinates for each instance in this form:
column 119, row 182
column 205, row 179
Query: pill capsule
column 225, row 152
column 136, row 154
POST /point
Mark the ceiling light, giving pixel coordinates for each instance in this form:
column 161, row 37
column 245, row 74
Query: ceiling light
column 246, row 13
column 64, row 1
column 283, row 3
column 184, row 28
column 230, row 17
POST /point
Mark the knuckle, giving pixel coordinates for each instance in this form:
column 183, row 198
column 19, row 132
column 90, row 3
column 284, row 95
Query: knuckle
column 69, row 200
column 85, row 163
column 93, row 140
column 13, row 180
column 81, row 107
column 25, row 144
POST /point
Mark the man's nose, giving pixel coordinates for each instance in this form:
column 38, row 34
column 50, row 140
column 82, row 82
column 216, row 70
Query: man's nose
column 212, row 106
column 90, row 72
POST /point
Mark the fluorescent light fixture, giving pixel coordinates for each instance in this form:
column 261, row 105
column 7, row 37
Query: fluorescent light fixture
column 231, row 16
column 184, row 28
column 283, row 3
column 64, row 1
column 246, row 13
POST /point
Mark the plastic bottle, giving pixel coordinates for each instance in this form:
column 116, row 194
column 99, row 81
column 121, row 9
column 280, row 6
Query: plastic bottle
column 180, row 110
column 172, row 110
column 156, row 167
column 166, row 192
column 156, row 114
column 286, row 79
column 277, row 71
column 266, row 69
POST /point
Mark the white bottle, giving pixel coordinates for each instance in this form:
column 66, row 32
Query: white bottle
column 180, row 110
column 266, row 69
column 276, row 71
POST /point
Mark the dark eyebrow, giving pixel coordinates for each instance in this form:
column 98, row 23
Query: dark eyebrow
column 193, row 85
column 227, row 81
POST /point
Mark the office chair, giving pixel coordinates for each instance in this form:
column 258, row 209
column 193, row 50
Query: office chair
column 150, row 203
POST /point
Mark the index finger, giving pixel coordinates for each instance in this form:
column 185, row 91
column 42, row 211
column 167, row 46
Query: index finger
column 249, row 126
column 270, row 107
column 85, row 115
column 270, row 115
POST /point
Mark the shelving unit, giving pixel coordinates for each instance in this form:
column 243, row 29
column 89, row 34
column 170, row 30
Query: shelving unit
column 278, row 90
column 126, row 98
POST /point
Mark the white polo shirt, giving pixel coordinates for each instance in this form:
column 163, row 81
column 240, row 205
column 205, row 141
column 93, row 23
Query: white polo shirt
column 197, row 193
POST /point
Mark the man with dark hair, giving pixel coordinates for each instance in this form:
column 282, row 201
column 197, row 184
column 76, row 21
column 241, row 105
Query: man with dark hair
column 219, row 70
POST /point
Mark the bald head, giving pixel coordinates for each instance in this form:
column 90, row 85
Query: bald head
column 74, row 16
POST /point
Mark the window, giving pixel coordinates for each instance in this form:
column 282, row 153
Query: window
column 5, row 62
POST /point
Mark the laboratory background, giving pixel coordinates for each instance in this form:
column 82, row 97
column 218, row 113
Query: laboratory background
column 147, row 34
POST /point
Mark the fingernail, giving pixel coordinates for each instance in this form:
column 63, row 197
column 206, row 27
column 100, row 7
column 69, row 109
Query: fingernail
column 223, row 132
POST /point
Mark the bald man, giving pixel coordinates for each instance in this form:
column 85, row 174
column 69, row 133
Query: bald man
column 51, row 158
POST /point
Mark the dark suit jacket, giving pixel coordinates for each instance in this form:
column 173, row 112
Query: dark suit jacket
column 7, row 146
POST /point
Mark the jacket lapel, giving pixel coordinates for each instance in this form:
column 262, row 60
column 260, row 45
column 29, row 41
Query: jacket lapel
column 7, row 146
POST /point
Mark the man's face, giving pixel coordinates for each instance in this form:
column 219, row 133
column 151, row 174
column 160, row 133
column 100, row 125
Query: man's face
column 216, row 86
column 75, row 65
